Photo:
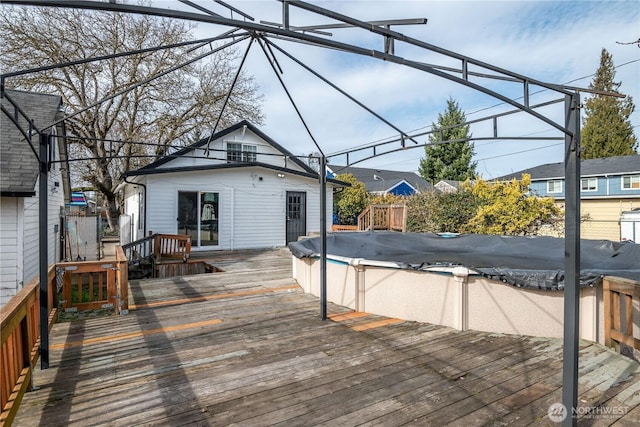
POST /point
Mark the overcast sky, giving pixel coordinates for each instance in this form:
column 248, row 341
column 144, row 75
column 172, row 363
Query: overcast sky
column 551, row 41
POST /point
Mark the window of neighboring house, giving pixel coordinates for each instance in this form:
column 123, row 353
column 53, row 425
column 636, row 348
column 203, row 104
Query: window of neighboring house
column 589, row 184
column 554, row 186
column 631, row 182
column 237, row 152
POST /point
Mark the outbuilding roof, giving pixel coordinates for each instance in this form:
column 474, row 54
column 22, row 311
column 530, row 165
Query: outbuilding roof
column 18, row 164
column 204, row 141
column 383, row 179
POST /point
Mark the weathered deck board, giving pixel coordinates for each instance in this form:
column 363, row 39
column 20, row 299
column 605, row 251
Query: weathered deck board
column 246, row 347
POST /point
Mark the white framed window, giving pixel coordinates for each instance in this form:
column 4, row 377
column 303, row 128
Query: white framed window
column 631, row 182
column 237, row 152
column 554, row 186
column 589, row 184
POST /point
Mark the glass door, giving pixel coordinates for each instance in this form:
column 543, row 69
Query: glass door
column 188, row 215
column 208, row 219
column 198, row 217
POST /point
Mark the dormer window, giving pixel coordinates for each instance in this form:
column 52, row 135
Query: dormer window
column 241, row 153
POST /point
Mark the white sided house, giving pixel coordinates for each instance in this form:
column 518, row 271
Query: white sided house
column 238, row 189
column 19, row 187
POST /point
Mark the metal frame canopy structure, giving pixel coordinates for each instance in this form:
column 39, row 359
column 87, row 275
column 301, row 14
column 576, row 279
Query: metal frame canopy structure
column 469, row 72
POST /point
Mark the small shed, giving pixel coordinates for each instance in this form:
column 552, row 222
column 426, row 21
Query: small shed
column 19, row 187
column 238, row 189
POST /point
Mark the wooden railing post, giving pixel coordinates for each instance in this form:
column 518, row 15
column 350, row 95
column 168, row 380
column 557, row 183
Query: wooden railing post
column 619, row 293
column 608, row 314
column 122, row 277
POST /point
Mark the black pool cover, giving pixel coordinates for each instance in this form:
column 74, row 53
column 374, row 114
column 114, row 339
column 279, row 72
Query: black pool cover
column 531, row 262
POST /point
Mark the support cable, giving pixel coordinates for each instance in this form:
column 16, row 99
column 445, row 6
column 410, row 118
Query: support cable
column 203, row 42
column 150, row 79
column 327, row 81
column 127, row 8
column 293, row 103
column 226, row 99
column 200, row 8
column 493, row 117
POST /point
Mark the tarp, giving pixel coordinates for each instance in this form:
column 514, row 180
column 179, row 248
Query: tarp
column 532, row 262
column 77, row 199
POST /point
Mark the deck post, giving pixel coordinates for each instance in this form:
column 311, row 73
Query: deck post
column 571, row 344
column 323, row 236
column 43, row 217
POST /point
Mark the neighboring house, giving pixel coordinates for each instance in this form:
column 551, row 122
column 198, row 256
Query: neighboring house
column 383, row 182
column 609, row 186
column 447, row 186
column 238, row 189
column 78, row 203
column 19, row 172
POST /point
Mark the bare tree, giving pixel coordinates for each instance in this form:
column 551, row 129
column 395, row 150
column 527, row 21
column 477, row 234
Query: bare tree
column 126, row 131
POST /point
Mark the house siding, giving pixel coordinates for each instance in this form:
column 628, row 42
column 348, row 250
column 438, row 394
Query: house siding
column 402, row 189
column 132, row 196
column 602, row 217
column 251, row 204
column 10, row 248
column 610, row 186
column 19, row 240
column 217, row 154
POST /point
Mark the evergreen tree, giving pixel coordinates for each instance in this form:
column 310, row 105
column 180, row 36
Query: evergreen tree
column 350, row 201
column 450, row 160
column 606, row 129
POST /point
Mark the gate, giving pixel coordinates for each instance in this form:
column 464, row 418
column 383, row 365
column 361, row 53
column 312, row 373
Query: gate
column 81, row 237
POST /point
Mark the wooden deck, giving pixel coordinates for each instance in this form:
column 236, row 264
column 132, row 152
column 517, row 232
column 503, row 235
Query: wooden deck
column 246, row 347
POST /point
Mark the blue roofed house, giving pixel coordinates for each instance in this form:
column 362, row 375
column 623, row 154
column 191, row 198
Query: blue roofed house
column 382, row 182
column 19, row 201
column 609, row 187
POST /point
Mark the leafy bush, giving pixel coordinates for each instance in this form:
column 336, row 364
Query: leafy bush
column 481, row 207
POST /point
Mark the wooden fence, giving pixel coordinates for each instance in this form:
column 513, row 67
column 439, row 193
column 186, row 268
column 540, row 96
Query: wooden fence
column 383, row 217
column 20, row 330
column 619, row 295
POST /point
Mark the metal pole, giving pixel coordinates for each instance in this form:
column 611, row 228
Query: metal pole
column 43, row 194
column 285, row 15
column 571, row 340
column 323, row 236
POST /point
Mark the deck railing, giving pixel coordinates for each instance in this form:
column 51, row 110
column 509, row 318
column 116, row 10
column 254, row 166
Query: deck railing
column 383, row 217
column 20, row 330
column 140, row 249
column 342, row 227
column 619, row 295
column 158, row 246
column 172, row 246
column 91, row 285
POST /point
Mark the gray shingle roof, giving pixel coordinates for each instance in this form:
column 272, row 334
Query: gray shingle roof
column 18, row 164
column 591, row 167
column 382, row 179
